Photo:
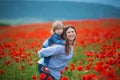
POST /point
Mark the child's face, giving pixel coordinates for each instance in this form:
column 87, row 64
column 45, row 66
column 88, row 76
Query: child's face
column 59, row 30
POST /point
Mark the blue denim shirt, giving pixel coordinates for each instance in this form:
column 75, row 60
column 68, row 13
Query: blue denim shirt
column 54, row 39
column 58, row 60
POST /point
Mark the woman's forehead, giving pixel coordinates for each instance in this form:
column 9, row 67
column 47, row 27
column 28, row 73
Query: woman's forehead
column 70, row 29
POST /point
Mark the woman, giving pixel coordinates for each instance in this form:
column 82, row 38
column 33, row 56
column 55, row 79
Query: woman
column 60, row 54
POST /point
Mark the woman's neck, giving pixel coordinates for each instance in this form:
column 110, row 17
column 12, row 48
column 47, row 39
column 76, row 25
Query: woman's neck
column 71, row 44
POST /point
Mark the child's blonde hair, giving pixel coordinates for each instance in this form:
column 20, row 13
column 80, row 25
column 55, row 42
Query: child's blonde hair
column 56, row 25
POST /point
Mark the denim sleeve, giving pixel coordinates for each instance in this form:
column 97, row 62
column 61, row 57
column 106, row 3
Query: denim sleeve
column 57, row 40
column 49, row 51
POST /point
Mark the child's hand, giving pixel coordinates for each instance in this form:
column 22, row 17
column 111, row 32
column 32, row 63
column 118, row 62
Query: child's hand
column 65, row 42
column 52, row 44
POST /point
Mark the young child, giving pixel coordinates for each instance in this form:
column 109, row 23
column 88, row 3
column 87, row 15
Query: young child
column 56, row 38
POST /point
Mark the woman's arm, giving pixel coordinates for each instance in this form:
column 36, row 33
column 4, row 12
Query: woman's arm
column 49, row 51
column 45, row 44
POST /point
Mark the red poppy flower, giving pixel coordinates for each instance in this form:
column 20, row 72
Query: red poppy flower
column 49, row 78
column 22, row 67
column 42, row 76
column 79, row 68
column 8, row 62
column 61, row 71
column 34, row 77
column 72, row 67
column 1, row 72
column 66, row 68
column 64, row 78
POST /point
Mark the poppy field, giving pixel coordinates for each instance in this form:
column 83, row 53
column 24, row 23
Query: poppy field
column 96, row 51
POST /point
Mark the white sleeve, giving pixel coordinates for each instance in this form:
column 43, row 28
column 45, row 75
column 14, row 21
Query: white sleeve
column 49, row 51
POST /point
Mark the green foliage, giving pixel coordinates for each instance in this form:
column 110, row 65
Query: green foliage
column 4, row 24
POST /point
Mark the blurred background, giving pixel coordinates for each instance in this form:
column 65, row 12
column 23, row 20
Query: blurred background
column 26, row 24
column 33, row 11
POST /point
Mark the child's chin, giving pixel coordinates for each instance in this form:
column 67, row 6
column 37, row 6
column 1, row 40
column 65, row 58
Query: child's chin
column 59, row 34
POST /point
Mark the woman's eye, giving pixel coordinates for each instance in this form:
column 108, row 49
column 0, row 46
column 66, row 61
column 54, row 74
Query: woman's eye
column 68, row 32
column 72, row 31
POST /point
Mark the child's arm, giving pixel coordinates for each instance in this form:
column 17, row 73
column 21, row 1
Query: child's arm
column 56, row 40
column 60, row 42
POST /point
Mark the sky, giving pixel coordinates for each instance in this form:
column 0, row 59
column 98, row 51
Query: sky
column 115, row 3
column 108, row 2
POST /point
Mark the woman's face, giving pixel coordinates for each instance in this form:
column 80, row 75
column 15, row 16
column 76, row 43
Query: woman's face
column 71, row 34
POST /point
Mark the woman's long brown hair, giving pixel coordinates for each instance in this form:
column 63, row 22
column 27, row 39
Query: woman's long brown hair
column 67, row 45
